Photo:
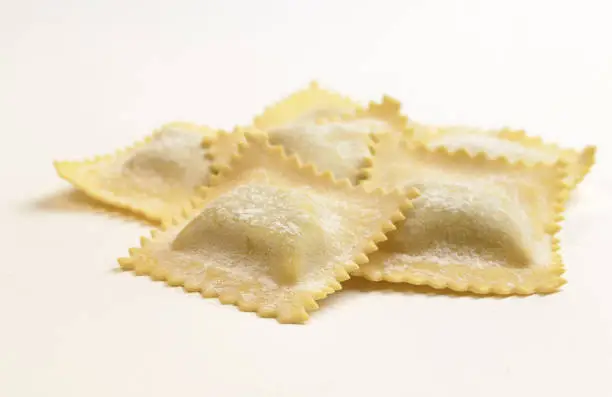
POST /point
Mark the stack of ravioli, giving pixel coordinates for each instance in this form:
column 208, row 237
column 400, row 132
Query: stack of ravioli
column 275, row 216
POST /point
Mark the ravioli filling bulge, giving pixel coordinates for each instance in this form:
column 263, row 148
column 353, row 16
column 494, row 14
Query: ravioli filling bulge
column 274, row 232
column 170, row 161
column 333, row 147
column 458, row 222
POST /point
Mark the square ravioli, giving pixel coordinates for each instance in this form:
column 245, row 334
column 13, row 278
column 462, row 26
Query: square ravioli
column 269, row 234
column 155, row 177
column 305, row 106
column 340, row 144
column 481, row 225
column 513, row 145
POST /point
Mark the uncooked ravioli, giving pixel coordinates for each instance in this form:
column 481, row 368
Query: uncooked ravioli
column 155, row 177
column 480, row 224
column 516, row 146
column 269, row 235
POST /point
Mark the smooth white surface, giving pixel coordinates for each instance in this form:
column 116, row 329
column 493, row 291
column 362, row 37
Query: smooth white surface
column 79, row 78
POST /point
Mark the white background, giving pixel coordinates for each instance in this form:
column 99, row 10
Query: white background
column 78, row 78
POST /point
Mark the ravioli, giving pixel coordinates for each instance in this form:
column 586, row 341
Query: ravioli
column 515, row 146
column 155, row 177
column 269, row 234
column 481, row 225
column 305, row 106
column 340, row 144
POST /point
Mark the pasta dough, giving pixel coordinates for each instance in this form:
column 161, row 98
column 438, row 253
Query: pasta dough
column 515, row 146
column 304, row 107
column 270, row 235
column 480, row 224
column 154, row 178
column 340, row 144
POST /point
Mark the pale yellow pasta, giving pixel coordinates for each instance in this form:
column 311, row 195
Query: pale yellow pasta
column 270, row 235
column 305, row 106
column 340, row 144
column 483, row 225
column 155, row 177
column 513, row 145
